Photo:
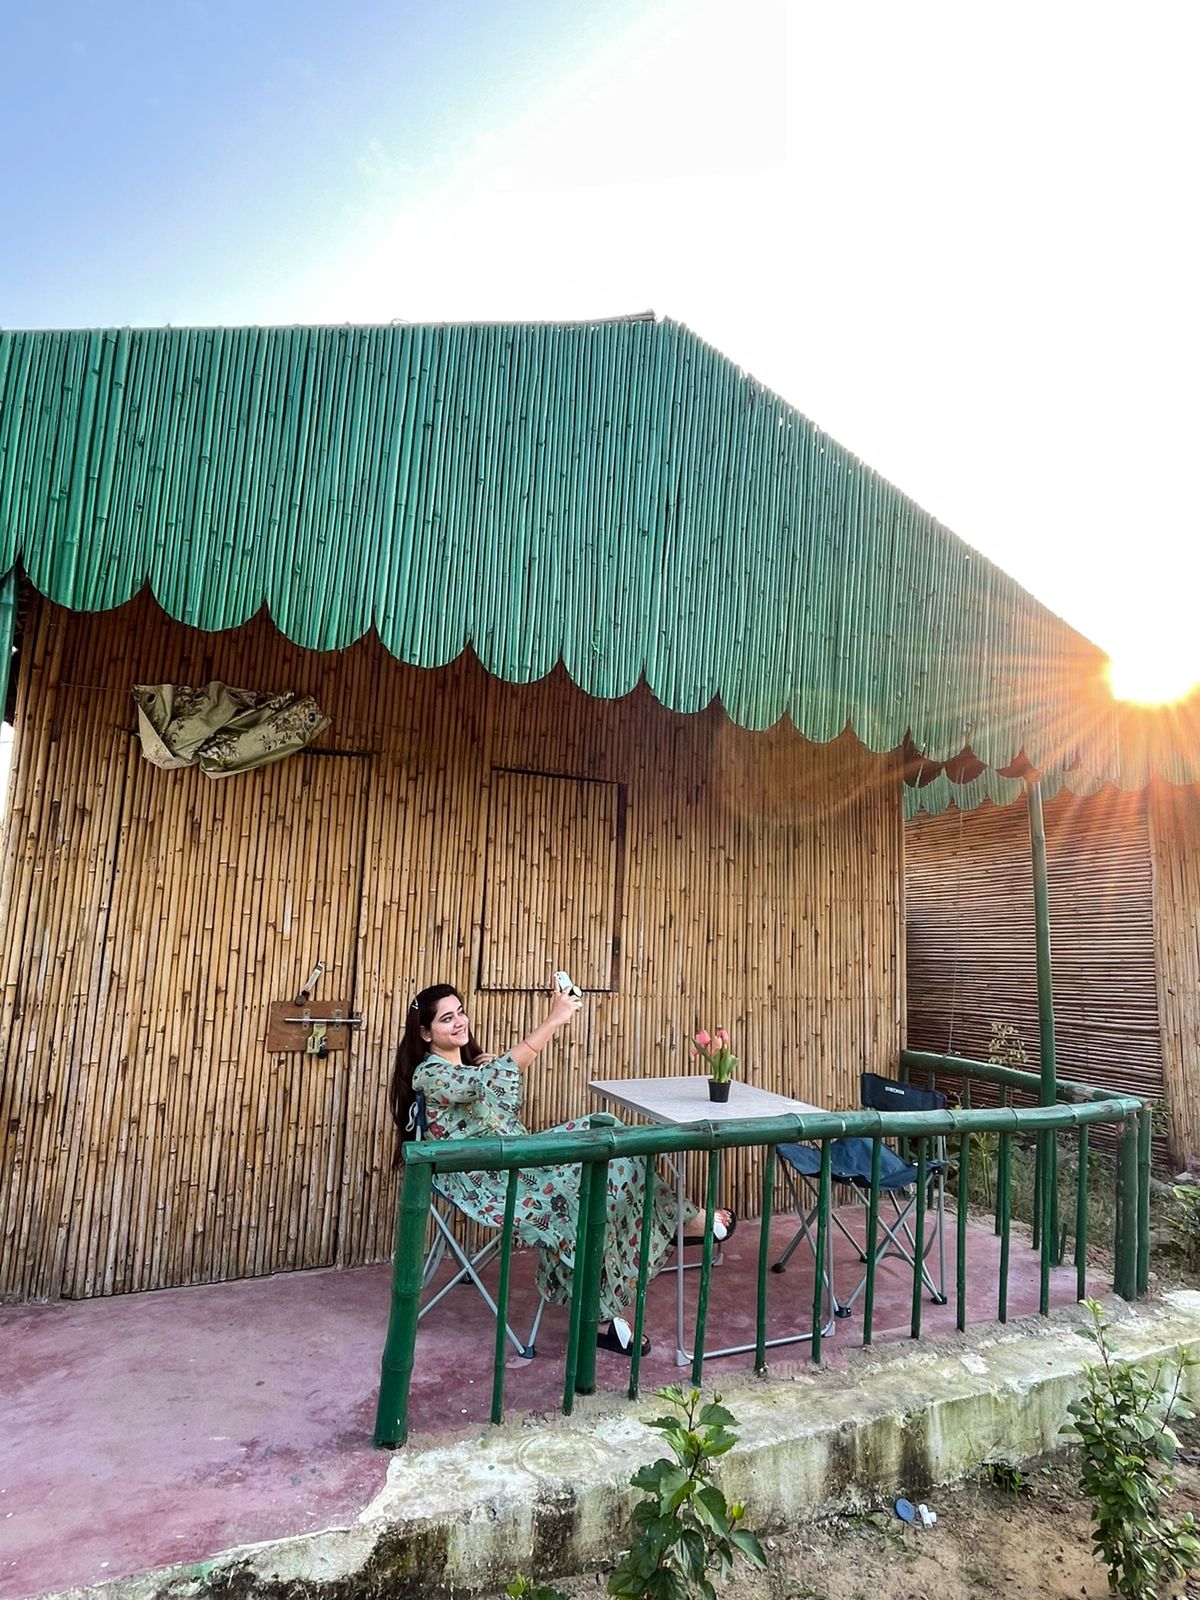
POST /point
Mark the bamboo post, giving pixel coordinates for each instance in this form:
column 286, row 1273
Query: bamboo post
column 412, row 1221
column 595, row 1176
column 1125, row 1244
column 1081, row 1218
column 1046, row 1191
column 1143, row 1211
column 506, row 1249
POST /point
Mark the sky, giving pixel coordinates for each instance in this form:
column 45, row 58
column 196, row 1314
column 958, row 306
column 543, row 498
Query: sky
column 961, row 238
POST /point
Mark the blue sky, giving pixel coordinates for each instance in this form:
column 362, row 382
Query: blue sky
column 961, row 238
column 186, row 160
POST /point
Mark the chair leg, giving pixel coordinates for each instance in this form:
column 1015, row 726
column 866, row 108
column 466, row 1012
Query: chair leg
column 469, row 1268
column 531, row 1345
column 907, row 1248
column 804, row 1233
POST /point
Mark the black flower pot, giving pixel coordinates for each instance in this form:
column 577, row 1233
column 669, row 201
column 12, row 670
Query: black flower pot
column 718, row 1091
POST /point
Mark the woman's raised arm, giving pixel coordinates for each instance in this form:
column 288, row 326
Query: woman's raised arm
column 562, row 1010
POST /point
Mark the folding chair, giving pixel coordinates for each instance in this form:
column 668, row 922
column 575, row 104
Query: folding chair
column 441, row 1214
column 850, row 1165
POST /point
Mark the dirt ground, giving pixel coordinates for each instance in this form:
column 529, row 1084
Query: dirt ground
column 1032, row 1541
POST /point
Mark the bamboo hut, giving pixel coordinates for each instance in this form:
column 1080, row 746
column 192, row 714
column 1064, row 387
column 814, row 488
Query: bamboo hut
column 625, row 664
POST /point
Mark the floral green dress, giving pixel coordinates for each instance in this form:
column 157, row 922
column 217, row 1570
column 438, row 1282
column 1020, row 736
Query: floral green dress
column 463, row 1102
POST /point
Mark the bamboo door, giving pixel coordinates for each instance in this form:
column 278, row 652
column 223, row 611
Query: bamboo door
column 201, row 1156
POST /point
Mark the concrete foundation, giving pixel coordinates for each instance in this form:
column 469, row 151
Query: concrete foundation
column 550, row 1495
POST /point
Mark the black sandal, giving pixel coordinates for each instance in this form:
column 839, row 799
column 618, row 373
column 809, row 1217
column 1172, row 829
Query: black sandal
column 610, row 1339
column 730, row 1229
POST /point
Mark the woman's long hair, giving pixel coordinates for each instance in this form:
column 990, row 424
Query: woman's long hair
column 413, row 1049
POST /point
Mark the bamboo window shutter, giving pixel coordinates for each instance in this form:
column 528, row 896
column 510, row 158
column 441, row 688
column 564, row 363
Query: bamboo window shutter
column 553, row 881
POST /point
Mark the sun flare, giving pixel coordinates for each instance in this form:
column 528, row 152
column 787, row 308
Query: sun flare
column 1153, row 679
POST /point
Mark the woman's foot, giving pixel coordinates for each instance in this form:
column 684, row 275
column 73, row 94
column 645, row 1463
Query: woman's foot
column 724, row 1223
column 618, row 1337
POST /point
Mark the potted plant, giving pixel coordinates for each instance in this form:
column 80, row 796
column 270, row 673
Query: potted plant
column 722, row 1063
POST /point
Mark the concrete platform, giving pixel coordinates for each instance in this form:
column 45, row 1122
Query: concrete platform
column 155, row 1431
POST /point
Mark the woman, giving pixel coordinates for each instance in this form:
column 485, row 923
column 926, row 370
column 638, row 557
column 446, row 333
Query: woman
column 469, row 1094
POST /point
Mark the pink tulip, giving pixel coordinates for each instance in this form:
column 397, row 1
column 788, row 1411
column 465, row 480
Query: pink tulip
column 702, row 1038
column 722, row 1036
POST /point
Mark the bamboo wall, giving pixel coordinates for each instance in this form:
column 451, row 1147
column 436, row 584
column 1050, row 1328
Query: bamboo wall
column 970, row 936
column 148, row 919
column 1175, row 840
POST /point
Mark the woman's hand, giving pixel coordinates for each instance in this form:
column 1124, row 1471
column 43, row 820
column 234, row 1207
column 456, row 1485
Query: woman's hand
column 563, row 1007
column 485, row 1060
column 562, row 1010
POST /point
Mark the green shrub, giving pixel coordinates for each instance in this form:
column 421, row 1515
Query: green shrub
column 1182, row 1215
column 1123, row 1425
column 683, row 1528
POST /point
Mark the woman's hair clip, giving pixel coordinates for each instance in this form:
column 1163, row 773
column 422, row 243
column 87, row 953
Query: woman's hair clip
column 413, row 1006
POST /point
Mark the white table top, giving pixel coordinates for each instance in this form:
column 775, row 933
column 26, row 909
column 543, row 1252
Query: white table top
column 686, row 1099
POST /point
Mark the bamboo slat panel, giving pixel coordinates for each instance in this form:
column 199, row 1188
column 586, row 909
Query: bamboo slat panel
column 148, row 919
column 970, row 946
column 1175, row 837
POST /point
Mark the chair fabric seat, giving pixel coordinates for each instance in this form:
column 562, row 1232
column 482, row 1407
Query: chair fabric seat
column 850, row 1162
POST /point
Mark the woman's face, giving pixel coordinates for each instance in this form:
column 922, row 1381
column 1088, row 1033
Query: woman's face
column 449, row 1029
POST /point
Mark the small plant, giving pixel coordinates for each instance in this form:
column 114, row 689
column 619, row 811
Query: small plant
column 1005, row 1476
column 525, row 1589
column 683, row 1528
column 1123, row 1425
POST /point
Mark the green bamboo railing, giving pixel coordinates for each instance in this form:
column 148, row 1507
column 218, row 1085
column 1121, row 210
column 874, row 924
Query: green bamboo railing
column 1131, row 1239
column 593, row 1148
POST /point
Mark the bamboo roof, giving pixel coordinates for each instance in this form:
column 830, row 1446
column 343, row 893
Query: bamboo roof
column 617, row 496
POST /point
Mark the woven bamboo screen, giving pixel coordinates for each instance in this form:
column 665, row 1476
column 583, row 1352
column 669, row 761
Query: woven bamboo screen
column 1175, row 836
column 150, row 918
column 970, row 936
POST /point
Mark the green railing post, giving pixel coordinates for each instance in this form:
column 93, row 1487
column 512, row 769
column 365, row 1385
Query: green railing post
column 1081, row 1217
column 1045, row 1193
column 649, row 1183
column 595, row 1177
column 960, row 1218
column 1143, row 1231
column 764, row 1259
column 1049, row 1242
column 506, row 1244
column 1004, row 1200
column 412, row 1223
column 1125, row 1233
column 575, row 1318
column 919, row 1235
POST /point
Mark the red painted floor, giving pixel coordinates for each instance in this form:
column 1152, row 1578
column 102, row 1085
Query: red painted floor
column 158, row 1428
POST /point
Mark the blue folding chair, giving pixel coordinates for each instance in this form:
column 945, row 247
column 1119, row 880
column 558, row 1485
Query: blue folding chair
column 441, row 1217
column 850, row 1166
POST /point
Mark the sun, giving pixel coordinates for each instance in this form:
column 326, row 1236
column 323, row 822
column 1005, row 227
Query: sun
column 1154, row 677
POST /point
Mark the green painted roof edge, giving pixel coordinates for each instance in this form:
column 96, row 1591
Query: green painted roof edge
column 617, row 496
